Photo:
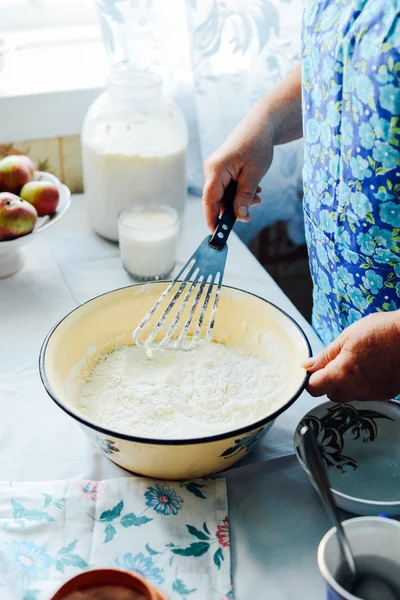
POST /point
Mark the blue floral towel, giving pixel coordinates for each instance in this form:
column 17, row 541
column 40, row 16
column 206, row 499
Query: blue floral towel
column 175, row 534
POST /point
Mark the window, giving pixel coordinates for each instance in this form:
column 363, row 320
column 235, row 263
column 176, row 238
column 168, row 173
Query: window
column 19, row 15
column 49, row 45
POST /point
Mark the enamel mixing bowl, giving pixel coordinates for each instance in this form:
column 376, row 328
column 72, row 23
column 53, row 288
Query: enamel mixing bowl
column 241, row 316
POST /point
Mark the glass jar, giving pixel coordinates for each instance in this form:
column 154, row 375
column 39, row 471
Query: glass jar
column 134, row 143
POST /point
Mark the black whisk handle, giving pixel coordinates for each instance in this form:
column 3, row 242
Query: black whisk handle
column 227, row 219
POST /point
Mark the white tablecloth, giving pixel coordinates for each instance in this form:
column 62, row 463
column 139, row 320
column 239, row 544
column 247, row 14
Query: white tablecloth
column 276, row 519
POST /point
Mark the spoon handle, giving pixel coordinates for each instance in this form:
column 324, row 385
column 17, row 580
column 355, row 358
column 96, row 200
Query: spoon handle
column 315, row 463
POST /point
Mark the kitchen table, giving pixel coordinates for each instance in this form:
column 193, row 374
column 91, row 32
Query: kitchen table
column 276, row 518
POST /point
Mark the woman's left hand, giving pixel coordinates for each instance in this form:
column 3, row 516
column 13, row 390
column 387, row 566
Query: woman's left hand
column 363, row 363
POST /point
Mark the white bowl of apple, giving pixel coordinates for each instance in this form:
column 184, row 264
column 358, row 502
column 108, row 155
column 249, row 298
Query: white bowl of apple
column 30, row 201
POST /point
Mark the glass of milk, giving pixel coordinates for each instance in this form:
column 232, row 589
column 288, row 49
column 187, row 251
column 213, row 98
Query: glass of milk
column 134, row 142
column 148, row 239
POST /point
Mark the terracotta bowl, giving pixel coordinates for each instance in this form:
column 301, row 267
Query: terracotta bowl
column 241, row 317
column 110, row 577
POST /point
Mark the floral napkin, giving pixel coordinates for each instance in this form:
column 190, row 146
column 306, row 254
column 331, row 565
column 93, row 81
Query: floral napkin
column 175, row 534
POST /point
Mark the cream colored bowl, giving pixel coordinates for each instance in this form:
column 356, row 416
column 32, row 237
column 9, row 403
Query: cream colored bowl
column 241, row 315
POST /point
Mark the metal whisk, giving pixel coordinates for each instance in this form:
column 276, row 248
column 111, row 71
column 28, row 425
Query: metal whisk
column 184, row 315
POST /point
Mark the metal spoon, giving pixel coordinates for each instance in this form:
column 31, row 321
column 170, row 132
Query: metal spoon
column 366, row 586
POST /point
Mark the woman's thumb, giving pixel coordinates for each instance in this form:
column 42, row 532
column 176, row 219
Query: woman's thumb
column 315, row 363
column 246, row 191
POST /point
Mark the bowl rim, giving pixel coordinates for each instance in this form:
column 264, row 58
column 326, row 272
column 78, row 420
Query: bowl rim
column 351, row 499
column 94, row 578
column 160, row 441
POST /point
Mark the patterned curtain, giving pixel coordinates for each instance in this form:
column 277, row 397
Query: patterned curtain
column 217, row 58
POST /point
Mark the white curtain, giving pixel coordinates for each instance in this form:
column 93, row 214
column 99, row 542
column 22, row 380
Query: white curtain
column 217, row 58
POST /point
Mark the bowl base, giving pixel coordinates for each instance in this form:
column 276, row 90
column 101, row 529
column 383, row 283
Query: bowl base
column 11, row 263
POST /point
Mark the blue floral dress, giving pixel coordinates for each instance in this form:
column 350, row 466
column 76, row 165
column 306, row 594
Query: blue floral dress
column 351, row 112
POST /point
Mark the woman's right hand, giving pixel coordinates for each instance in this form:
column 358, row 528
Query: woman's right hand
column 247, row 153
column 245, row 157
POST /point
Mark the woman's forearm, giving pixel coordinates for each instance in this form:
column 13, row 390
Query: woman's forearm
column 281, row 109
column 246, row 155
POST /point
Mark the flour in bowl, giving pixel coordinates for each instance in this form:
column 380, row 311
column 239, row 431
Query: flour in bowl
column 175, row 395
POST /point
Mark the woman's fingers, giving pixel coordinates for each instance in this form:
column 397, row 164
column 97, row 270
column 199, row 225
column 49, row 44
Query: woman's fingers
column 212, row 200
column 218, row 174
column 245, row 195
column 326, row 381
column 322, row 359
column 217, row 179
column 327, row 371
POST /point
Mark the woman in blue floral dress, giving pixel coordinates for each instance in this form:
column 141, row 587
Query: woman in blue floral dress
column 344, row 99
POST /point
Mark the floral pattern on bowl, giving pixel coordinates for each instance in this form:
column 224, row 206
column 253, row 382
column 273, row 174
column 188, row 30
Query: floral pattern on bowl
column 360, row 445
column 247, row 443
column 107, row 446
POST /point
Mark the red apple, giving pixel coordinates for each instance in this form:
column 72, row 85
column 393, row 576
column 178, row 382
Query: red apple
column 17, row 217
column 43, row 195
column 15, row 171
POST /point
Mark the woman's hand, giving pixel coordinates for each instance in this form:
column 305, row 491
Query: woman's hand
column 363, row 363
column 245, row 157
column 247, row 154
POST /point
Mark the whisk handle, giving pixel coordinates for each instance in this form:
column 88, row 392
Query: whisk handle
column 227, row 219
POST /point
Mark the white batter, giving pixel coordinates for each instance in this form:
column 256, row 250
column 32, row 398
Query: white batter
column 178, row 395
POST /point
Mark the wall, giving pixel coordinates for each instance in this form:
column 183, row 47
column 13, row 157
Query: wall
column 60, row 156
